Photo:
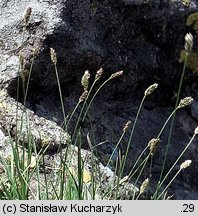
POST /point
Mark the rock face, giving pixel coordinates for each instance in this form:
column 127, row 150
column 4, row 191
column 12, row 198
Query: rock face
column 143, row 38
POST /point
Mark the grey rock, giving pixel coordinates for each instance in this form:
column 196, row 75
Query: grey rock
column 23, row 125
column 194, row 110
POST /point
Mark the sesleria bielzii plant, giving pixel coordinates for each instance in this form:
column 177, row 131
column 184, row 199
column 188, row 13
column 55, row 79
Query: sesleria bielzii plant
column 69, row 181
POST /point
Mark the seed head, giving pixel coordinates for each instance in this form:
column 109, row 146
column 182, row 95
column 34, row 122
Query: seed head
column 53, row 56
column 83, row 96
column 185, row 164
column 153, row 145
column 188, row 42
column 185, row 102
column 196, row 131
column 21, row 60
column 27, row 14
column 98, row 74
column 124, row 179
column 117, row 74
column 150, row 89
column 126, row 126
column 144, row 186
column 85, row 80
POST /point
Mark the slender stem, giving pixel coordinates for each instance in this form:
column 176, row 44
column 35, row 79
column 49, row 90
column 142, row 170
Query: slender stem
column 118, row 143
column 77, row 128
column 165, row 124
column 89, row 104
column 142, row 153
column 162, row 129
column 82, row 110
column 169, row 183
column 173, row 118
column 140, row 173
column 71, row 116
column 182, row 153
column 28, row 81
column 60, row 91
column 17, row 96
column 151, row 165
column 91, row 101
column 131, row 135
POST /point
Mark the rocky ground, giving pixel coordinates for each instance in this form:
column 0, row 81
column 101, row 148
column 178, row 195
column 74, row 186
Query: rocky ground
column 142, row 38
